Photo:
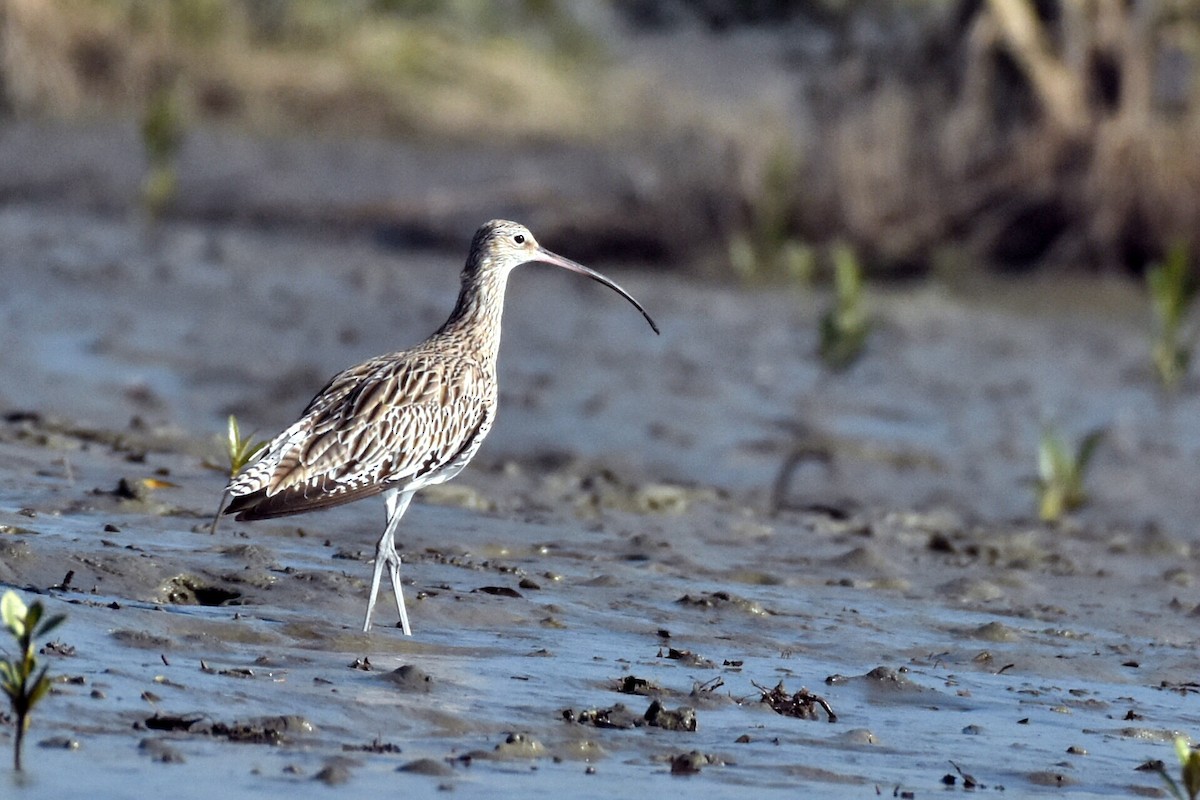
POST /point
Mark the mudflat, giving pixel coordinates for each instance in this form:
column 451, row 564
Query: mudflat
column 658, row 532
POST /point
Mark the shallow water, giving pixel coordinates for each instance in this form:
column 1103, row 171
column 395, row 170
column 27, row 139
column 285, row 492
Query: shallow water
column 626, row 473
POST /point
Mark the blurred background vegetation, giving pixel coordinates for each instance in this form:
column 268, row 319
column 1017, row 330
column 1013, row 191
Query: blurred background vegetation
column 746, row 139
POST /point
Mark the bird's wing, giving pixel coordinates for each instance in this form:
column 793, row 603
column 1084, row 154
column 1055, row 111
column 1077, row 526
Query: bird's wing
column 384, row 422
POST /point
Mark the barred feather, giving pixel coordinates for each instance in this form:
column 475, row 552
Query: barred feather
column 407, row 419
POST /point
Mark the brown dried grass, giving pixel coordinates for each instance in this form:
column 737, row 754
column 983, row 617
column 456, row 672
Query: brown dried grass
column 325, row 66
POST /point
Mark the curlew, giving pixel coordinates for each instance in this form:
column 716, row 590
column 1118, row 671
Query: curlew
column 399, row 422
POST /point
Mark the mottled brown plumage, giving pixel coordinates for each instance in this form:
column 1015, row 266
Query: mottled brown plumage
column 403, row 421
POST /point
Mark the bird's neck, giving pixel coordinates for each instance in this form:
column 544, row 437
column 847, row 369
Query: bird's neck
column 475, row 321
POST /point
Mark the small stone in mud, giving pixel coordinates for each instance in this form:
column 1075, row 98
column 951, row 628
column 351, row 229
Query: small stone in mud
column 499, row 591
column 723, row 599
column 168, row 723
column 262, row 730
column 59, row 743
column 880, row 676
column 616, row 717
column 526, row 583
column 940, row 543
column 631, row 684
column 518, row 745
column 690, row 763
column 680, row 719
column 996, row 632
column 333, row 774
column 859, row 736
column 743, row 739
column 581, row 750
column 687, row 657
column 1046, row 778
column 160, row 751
column 410, row 678
column 362, row 663
column 426, row 766
column 57, row 648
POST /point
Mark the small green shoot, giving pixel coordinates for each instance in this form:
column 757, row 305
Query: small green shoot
column 240, row 451
column 20, row 678
column 162, row 136
column 1189, row 773
column 844, row 327
column 765, row 249
column 1173, row 287
column 1061, row 473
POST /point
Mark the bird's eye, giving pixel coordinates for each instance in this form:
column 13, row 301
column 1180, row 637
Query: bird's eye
column 519, row 238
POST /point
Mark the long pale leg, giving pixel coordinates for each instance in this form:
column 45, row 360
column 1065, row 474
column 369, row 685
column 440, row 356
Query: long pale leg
column 386, row 555
column 397, row 505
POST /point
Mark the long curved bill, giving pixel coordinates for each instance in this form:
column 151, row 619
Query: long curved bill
column 546, row 257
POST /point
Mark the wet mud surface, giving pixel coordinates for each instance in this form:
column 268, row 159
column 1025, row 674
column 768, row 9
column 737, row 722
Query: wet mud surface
column 630, row 590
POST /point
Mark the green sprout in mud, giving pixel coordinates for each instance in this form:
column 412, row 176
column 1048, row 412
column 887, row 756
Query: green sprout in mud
column 239, row 450
column 844, row 327
column 162, row 136
column 20, row 678
column 1189, row 773
column 1061, row 473
column 764, row 248
column 1173, row 287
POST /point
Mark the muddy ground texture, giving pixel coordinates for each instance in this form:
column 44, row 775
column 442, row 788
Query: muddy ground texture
column 607, row 600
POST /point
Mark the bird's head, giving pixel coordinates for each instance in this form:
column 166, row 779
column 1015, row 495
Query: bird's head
column 501, row 246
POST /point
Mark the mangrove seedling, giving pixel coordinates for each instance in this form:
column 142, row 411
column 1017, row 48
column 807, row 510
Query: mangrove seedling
column 239, row 450
column 1061, row 473
column 1172, row 285
column 22, row 681
column 844, row 327
column 162, row 136
column 764, row 248
column 1189, row 773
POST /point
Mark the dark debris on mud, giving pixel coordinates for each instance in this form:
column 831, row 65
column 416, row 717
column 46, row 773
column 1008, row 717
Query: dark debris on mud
column 802, row 705
column 687, row 658
column 621, row 717
column 257, row 730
